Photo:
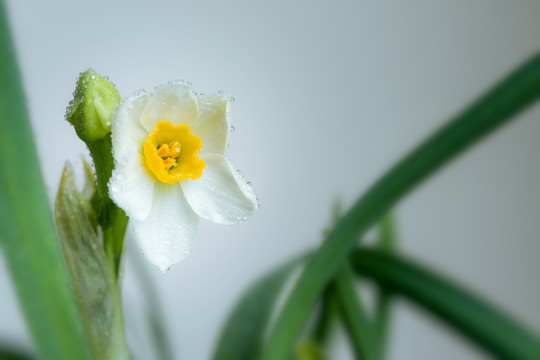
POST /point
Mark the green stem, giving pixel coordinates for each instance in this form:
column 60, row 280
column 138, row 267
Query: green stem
column 28, row 235
column 499, row 105
column 484, row 325
column 112, row 219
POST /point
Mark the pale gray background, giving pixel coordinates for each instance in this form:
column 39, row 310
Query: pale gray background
column 328, row 96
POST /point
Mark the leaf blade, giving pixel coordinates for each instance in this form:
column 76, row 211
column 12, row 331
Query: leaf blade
column 243, row 334
column 359, row 327
column 27, row 232
column 383, row 312
column 517, row 91
column 93, row 280
column 483, row 324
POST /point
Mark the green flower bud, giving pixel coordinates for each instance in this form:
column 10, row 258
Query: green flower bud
column 92, row 107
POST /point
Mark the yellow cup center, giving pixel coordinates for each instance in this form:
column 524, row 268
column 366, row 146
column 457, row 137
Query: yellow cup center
column 170, row 152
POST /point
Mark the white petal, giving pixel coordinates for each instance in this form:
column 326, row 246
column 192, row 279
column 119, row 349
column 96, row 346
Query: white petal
column 126, row 130
column 220, row 194
column 131, row 187
column 172, row 102
column 213, row 124
column 167, row 235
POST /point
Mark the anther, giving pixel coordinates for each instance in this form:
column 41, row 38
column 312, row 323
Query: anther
column 174, row 147
column 169, row 163
column 163, row 151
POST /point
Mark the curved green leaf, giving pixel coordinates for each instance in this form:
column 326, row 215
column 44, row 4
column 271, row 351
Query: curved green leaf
column 511, row 96
column 27, row 232
column 383, row 312
column 243, row 334
column 481, row 323
column 360, row 328
column 326, row 316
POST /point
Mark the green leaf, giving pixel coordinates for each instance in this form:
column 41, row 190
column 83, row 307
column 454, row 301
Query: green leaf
column 242, row 336
column 470, row 316
column 359, row 327
column 9, row 353
column 94, row 282
column 326, row 315
column 499, row 105
column 387, row 233
column 27, row 232
column 309, row 350
column 387, row 242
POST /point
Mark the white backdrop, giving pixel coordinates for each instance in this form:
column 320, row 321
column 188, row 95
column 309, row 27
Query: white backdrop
column 328, row 96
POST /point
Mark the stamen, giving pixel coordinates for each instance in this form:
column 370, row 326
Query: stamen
column 163, row 151
column 169, row 163
column 174, row 147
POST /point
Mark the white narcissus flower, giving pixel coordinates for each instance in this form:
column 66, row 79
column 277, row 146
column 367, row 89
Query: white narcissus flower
column 170, row 169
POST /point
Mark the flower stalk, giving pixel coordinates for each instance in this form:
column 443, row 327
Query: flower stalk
column 91, row 112
column 112, row 219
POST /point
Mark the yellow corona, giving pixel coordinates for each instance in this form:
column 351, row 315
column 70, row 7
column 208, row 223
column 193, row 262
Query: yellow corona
column 170, row 153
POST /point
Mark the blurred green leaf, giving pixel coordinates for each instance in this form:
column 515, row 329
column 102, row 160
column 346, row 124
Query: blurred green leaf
column 27, row 233
column 387, row 242
column 470, row 316
column 326, row 315
column 309, row 350
column 242, row 336
column 98, row 296
column 512, row 95
column 328, row 299
column 10, row 353
column 359, row 327
column 387, row 233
